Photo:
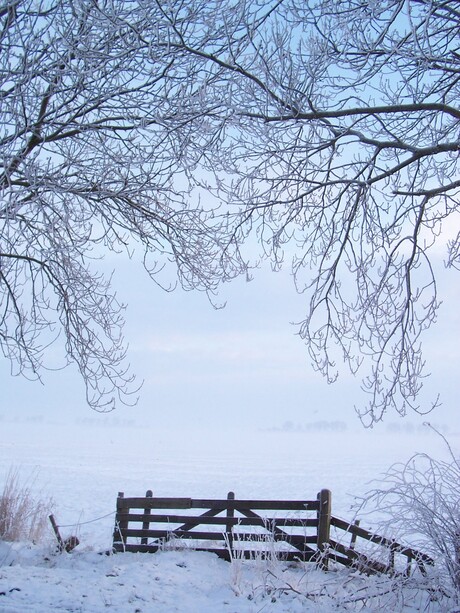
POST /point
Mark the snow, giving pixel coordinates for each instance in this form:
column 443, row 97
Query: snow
column 187, row 581
column 84, row 466
column 169, row 581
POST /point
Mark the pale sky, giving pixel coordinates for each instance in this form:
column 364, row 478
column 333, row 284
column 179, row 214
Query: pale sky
column 241, row 366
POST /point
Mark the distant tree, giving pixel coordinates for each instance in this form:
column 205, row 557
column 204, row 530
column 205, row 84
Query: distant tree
column 328, row 128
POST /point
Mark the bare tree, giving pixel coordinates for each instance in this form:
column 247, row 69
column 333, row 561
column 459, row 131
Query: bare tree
column 336, row 137
column 88, row 166
column 327, row 128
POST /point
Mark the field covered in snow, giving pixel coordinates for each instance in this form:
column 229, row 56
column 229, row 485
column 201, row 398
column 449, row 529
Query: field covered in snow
column 83, row 466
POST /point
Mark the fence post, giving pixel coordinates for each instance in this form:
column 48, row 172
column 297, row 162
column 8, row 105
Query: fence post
column 57, row 533
column 354, row 536
column 324, row 526
column 120, row 525
column 391, row 557
column 146, row 524
column 229, row 526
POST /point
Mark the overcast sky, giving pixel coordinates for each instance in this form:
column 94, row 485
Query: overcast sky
column 241, row 366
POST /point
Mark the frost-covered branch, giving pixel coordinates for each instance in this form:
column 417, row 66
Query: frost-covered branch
column 328, row 130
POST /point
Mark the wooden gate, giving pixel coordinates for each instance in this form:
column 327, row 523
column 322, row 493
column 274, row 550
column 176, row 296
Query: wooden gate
column 286, row 529
column 291, row 529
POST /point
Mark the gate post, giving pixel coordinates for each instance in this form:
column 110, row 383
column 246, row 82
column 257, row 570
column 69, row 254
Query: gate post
column 324, row 527
column 229, row 527
column 119, row 537
column 146, row 524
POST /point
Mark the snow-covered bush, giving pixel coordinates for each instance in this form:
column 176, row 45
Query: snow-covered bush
column 420, row 505
column 23, row 516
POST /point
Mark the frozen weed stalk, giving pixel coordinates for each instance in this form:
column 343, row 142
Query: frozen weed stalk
column 420, row 502
column 259, row 561
column 23, row 516
column 259, row 565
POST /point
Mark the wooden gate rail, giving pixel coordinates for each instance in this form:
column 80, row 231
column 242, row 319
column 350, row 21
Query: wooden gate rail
column 232, row 528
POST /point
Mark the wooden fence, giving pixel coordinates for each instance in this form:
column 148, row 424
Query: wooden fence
column 388, row 556
column 231, row 528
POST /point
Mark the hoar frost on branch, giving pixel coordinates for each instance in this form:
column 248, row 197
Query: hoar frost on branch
column 327, row 128
column 87, row 166
column 336, row 130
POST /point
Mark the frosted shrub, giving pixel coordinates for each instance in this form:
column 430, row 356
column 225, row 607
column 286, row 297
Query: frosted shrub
column 22, row 516
column 420, row 501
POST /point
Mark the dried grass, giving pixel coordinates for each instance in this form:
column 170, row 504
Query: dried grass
column 23, row 516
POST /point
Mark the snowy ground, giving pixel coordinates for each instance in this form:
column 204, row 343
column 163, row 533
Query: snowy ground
column 84, row 466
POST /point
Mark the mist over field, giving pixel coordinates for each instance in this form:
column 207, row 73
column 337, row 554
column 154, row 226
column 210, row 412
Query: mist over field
column 83, row 465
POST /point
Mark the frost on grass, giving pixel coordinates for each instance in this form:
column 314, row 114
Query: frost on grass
column 337, row 590
column 23, row 515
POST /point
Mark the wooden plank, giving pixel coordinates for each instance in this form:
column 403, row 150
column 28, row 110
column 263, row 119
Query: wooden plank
column 288, row 556
column 230, row 521
column 187, row 503
column 361, row 532
column 290, row 539
column 381, row 540
column 359, row 560
column 120, row 524
column 345, row 561
column 276, row 505
column 156, row 503
column 324, row 526
column 135, row 548
column 189, row 524
column 56, row 532
column 354, row 535
column 219, row 521
column 224, row 554
column 145, row 525
column 268, row 522
column 324, row 518
column 298, row 542
column 172, row 534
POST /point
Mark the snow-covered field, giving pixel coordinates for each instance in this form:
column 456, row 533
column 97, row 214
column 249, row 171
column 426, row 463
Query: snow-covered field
column 83, row 466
